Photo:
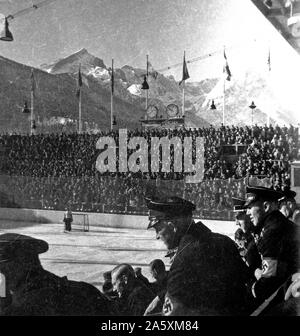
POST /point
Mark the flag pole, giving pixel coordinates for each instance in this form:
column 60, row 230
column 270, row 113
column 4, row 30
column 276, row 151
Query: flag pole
column 183, row 99
column 224, row 101
column 147, row 82
column 79, row 110
column 224, row 89
column 79, row 84
column 269, row 63
column 111, row 97
column 31, row 112
column 32, row 103
column 183, row 91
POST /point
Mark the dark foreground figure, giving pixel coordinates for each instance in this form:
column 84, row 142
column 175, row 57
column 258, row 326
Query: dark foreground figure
column 277, row 243
column 207, row 275
column 31, row 290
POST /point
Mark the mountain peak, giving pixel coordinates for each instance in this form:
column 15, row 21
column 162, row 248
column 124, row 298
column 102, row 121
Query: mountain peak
column 71, row 63
column 82, row 51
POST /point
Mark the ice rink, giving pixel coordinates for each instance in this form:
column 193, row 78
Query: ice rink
column 84, row 256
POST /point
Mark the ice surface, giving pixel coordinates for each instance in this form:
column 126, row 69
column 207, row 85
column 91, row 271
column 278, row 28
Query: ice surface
column 84, row 256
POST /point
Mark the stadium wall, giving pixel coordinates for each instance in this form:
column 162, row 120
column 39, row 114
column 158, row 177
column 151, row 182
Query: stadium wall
column 99, row 219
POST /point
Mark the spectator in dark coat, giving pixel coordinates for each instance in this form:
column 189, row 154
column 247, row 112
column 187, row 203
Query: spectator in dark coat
column 159, row 286
column 134, row 295
column 288, row 206
column 31, row 290
column 244, row 236
column 278, row 242
column 159, row 273
column 140, row 276
column 207, row 275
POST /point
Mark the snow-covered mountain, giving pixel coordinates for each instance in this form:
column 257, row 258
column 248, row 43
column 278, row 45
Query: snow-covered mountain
column 70, row 63
column 56, row 86
column 127, row 83
column 239, row 92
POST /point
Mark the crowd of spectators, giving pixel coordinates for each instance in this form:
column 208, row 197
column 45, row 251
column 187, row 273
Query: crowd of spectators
column 52, row 170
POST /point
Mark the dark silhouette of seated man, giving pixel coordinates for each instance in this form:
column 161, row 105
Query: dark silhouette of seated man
column 159, row 273
column 209, row 272
column 31, row 290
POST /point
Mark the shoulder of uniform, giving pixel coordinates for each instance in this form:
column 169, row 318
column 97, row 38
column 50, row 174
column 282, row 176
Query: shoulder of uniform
column 275, row 219
column 82, row 286
column 222, row 239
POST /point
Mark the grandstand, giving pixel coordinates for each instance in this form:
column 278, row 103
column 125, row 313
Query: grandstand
column 62, row 173
column 49, row 171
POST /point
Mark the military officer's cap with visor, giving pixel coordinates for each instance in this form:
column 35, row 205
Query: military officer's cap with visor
column 167, row 208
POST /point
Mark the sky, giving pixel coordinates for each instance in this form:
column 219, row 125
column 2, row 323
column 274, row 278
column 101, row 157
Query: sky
column 128, row 30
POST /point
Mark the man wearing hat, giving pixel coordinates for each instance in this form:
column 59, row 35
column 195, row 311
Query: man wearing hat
column 241, row 217
column 31, row 290
column 277, row 243
column 207, row 275
column 246, row 233
column 288, row 206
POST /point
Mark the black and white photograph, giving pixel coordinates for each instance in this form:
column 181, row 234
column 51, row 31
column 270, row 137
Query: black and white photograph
column 149, row 160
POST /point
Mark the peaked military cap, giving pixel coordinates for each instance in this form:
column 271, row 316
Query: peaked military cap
column 254, row 194
column 238, row 204
column 15, row 246
column 288, row 194
column 167, row 207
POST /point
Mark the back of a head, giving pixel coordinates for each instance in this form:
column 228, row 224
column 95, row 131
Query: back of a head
column 157, row 266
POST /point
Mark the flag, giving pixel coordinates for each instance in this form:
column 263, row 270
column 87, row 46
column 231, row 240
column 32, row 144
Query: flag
column 151, row 71
column 145, row 85
column 269, row 60
column 79, row 83
column 185, row 73
column 32, row 82
column 226, row 69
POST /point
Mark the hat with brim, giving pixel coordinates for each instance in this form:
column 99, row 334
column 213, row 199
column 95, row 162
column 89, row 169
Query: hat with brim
column 16, row 246
column 254, row 194
column 288, row 195
column 238, row 204
column 167, row 208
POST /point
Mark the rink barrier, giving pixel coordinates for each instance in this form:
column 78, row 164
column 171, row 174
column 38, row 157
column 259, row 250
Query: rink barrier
column 96, row 219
